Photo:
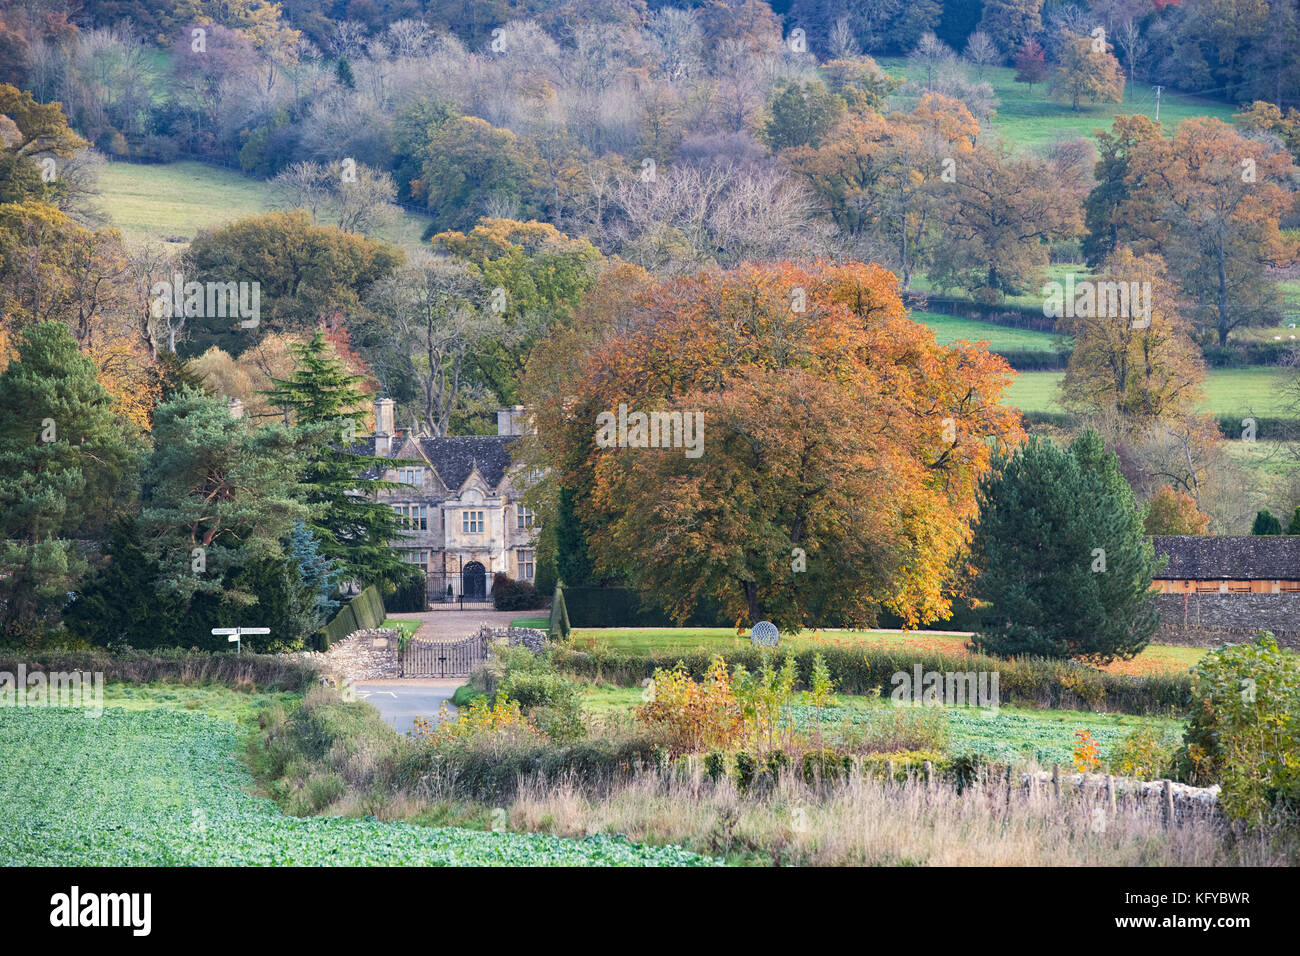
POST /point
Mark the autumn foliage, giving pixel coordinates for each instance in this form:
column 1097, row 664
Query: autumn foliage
column 841, row 450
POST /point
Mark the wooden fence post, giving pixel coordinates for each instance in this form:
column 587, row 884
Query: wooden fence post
column 1168, row 801
column 889, row 770
column 1110, row 793
column 1009, row 785
column 1056, row 781
column 927, row 768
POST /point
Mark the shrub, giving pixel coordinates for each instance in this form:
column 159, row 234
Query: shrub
column 692, row 716
column 1244, row 728
column 821, row 765
column 1145, row 752
column 551, row 700
column 511, row 595
column 746, row 768
column 764, row 696
column 500, row 722
column 715, row 765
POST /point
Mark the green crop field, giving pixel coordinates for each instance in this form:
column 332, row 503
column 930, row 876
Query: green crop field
column 162, row 787
column 1034, row 119
column 170, row 202
column 948, row 328
column 1228, row 391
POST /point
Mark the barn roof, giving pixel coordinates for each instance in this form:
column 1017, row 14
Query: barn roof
column 1215, row 558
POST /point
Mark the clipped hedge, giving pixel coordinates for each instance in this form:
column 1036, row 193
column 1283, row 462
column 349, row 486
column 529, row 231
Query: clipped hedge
column 622, row 607
column 364, row 611
column 1034, row 681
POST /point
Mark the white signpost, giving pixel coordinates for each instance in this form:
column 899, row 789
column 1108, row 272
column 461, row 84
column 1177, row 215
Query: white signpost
column 237, row 633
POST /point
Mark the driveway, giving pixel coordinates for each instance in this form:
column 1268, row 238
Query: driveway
column 453, row 625
column 399, row 702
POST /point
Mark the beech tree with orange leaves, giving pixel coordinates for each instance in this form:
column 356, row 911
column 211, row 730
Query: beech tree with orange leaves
column 841, row 446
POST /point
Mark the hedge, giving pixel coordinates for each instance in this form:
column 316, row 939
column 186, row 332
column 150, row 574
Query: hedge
column 623, row 607
column 493, row 773
column 1034, row 360
column 410, row 595
column 366, row 610
column 174, row 666
column 1035, row 681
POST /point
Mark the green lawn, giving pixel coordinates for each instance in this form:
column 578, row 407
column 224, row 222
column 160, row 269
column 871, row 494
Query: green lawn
column 1034, row 119
column 538, row 622
column 409, row 625
column 1228, row 391
column 170, row 202
column 948, row 328
column 1156, row 659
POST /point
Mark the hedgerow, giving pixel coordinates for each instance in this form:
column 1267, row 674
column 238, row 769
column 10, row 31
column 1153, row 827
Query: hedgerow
column 1032, row 681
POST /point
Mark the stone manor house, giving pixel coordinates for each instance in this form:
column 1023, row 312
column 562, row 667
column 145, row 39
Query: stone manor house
column 465, row 521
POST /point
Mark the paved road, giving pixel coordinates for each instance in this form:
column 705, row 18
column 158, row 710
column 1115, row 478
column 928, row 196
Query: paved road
column 399, row 702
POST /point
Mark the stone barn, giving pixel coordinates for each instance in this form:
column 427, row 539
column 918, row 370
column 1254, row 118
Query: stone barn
column 1217, row 589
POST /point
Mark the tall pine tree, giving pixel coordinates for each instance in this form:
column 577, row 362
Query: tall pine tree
column 63, row 459
column 354, row 529
column 1061, row 555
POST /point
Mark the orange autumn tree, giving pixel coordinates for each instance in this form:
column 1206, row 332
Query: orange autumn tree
column 841, row 446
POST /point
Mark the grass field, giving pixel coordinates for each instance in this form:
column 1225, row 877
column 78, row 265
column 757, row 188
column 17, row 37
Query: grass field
column 1034, row 119
column 162, row 787
column 1156, row 659
column 948, row 328
column 1228, row 391
column 170, row 202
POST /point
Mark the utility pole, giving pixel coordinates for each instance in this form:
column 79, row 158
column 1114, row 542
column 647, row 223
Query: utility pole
column 1158, row 89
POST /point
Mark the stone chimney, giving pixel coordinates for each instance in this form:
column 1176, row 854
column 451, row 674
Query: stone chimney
column 511, row 421
column 384, row 427
column 236, row 408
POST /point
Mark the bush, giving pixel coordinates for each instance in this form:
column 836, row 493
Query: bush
column 474, row 768
column 1145, row 752
column 1244, row 729
column 511, row 595
column 689, row 715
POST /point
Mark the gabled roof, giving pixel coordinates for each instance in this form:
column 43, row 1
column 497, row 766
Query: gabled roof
column 454, row 458
column 1267, row 557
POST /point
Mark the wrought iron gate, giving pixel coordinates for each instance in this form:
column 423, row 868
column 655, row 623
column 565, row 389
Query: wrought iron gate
column 443, row 658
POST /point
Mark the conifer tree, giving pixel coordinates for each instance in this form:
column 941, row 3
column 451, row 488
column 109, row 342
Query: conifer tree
column 64, row 457
column 353, row 528
column 1061, row 555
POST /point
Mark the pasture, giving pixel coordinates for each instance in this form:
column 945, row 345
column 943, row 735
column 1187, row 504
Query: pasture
column 170, row 202
column 1032, row 119
column 1257, row 390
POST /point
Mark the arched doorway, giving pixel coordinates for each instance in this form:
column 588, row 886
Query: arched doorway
column 473, row 582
